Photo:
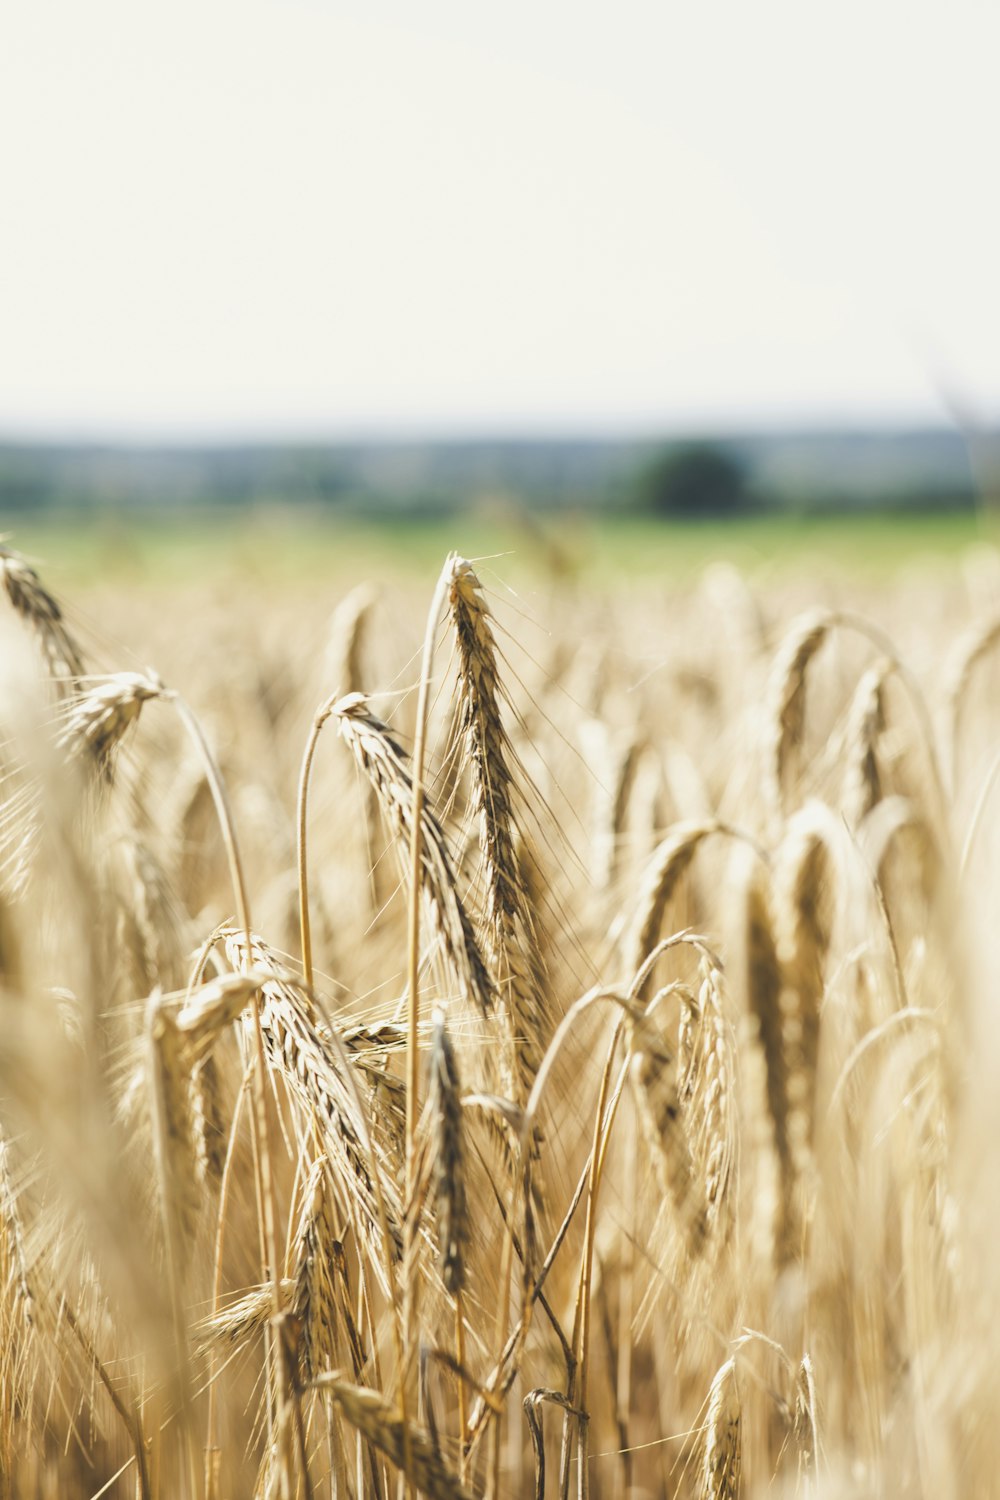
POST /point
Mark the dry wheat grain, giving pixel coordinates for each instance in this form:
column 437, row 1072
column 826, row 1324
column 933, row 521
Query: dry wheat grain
column 384, row 762
column 723, row 1453
column 509, row 923
column 44, row 616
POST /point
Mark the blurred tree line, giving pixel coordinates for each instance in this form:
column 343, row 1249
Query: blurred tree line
column 695, row 479
column 794, row 471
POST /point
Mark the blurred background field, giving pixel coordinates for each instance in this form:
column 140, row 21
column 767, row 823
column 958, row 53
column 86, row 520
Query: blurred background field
column 576, row 511
column 302, row 550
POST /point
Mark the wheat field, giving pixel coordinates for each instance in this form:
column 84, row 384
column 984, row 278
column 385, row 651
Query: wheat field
column 460, row 1040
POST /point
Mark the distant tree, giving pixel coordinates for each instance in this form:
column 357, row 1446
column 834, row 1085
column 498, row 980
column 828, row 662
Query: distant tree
column 694, row 479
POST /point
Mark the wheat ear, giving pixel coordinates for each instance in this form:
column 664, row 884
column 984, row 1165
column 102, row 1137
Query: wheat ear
column 803, row 916
column 664, row 872
column 785, row 706
column 444, row 1103
column 314, row 1301
column 346, row 639
column 710, row 1106
column 763, row 985
column 969, row 651
column 445, row 1106
column 384, row 763
column 865, row 722
column 43, row 615
column 309, row 1062
column 509, row 925
column 653, row 1070
column 723, row 1451
column 412, row 1449
column 805, row 1424
column 101, row 714
column 173, row 1134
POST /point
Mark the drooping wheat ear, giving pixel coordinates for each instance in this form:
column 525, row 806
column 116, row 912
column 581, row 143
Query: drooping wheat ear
column 412, row 1449
column 445, row 1105
column 970, row 649
column 314, row 1302
column 208, row 1122
column 785, row 706
column 243, row 1319
column 666, row 868
column 42, row 614
column 713, row 1096
column 806, row 1436
column 99, row 716
column 343, row 663
column 687, row 1038
column 762, row 982
column 804, row 890
column 169, row 1086
column 311, row 1067
column 865, row 722
column 206, row 1012
column 384, row 762
column 627, row 763
column 149, row 918
column 509, row 925
column 653, row 1070
column 613, row 758
column 723, row 1454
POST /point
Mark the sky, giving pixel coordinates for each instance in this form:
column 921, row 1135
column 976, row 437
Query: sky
column 310, row 218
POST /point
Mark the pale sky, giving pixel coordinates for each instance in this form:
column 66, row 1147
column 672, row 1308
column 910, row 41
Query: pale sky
column 303, row 217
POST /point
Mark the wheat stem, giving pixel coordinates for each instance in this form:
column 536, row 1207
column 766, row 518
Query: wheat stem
column 301, row 819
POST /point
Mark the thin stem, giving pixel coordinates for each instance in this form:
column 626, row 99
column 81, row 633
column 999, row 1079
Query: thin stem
column 130, row 1419
column 626, row 1304
column 220, row 797
column 416, row 858
column 220, row 1235
column 266, row 1181
column 581, row 1321
column 506, row 1369
column 171, row 1240
column 502, row 1324
column 463, row 1405
column 413, row 964
column 305, row 931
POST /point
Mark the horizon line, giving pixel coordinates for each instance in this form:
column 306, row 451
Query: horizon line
column 226, row 436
